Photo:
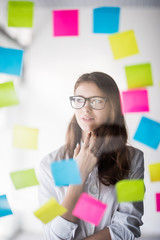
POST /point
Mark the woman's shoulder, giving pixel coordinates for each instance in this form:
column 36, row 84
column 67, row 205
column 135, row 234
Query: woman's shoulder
column 134, row 152
column 53, row 156
column 137, row 160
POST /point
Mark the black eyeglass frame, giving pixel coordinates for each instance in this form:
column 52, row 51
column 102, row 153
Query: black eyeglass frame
column 88, row 99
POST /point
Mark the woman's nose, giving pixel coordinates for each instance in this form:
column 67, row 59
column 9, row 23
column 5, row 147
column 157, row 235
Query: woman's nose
column 87, row 106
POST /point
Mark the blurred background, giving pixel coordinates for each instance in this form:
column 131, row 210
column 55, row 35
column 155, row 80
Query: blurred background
column 51, row 65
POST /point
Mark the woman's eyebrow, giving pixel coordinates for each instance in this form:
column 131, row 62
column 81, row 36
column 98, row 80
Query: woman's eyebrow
column 89, row 97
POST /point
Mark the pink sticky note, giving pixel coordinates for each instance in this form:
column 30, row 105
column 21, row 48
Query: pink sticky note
column 135, row 101
column 89, row 209
column 65, row 22
column 158, row 201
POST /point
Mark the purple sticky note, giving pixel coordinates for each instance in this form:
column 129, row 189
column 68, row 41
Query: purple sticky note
column 65, row 22
column 135, row 101
column 158, row 202
column 89, row 209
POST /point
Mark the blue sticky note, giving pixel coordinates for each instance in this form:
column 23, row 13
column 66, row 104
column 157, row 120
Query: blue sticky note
column 66, row 172
column 106, row 19
column 11, row 61
column 148, row 132
column 4, row 206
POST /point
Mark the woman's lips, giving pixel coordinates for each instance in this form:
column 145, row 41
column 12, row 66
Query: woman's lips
column 87, row 119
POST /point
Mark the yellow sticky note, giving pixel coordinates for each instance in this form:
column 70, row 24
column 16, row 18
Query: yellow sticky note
column 123, row 44
column 154, row 170
column 50, row 210
column 130, row 190
column 25, row 137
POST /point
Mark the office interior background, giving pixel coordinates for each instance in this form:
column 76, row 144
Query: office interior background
column 51, row 65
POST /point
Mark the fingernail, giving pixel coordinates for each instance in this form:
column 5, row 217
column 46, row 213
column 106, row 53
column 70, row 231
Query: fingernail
column 77, row 144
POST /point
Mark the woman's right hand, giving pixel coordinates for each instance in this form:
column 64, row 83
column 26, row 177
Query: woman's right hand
column 86, row 156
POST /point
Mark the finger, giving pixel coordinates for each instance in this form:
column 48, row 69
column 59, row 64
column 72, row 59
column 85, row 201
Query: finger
column 92, row 145
column 76, row 150
column 86, row 140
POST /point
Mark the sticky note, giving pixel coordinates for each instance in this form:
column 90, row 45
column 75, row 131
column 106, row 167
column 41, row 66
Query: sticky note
column 25, row 137
column 139, row 75
column 65, row 22
column 130, row 190
column 89, row 209
column 106, row 19
column 158, row 202
column 154, row 170
column 11, row 61
column 123, row 44
column 20, row 14
column 65, row 172
column 148, row 132
column 25, row 178
column 135, row 101
column 8, row 96
column 4, row 206
column 50, row 210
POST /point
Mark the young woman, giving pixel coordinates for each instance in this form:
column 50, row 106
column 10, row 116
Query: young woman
column 97, row 139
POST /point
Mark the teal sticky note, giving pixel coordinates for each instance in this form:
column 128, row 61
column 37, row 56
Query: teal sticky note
column 148, row 132
column 106, row 19
column 4, row 206
column 11, row 61
column 65, row 172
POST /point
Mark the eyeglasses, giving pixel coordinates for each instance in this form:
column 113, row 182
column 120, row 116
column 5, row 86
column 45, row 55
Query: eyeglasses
column 96, row 102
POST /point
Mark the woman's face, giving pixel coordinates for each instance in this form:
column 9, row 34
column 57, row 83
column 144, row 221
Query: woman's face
column 88, row 118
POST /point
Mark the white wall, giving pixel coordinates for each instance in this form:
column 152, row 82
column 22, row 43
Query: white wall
column 52, row 65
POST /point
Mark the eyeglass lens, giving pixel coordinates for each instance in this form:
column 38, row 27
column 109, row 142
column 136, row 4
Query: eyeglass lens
column 95, row 102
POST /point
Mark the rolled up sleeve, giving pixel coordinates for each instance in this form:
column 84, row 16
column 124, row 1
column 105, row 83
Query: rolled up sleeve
column 126, row 221
column 58, row 228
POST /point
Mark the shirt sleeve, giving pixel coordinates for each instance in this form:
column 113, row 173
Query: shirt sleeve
column 126, row 221
column 58, row 228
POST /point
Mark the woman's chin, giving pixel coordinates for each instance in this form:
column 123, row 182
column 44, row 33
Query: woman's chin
column 88, row 129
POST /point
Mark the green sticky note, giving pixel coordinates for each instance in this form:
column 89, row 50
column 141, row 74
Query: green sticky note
column 130, row 190
column 20, row 14
column 123, row 44
column 139, row 75
column 8, row 95
column 25, row 178
column 25, row 137
column 50, row 210
column 154, row 170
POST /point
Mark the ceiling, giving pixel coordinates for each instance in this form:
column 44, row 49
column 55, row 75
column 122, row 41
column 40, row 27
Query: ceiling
column 97, row 3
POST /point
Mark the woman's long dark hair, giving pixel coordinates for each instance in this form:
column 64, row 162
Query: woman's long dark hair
column 113, row 157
